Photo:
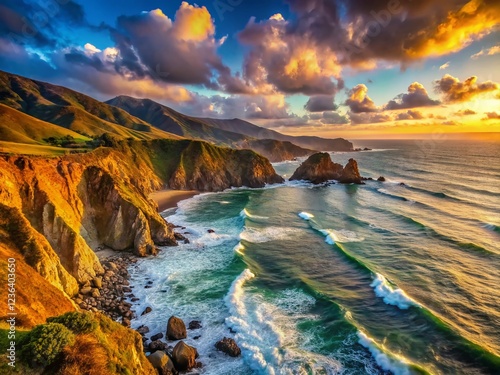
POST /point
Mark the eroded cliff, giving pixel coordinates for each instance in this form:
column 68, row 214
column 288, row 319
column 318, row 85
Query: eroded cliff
column 59, row 210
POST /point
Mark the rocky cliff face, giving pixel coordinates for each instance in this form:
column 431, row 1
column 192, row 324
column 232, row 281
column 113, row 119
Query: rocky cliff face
column 320, row 168
column 208, row 168
column 59, row 210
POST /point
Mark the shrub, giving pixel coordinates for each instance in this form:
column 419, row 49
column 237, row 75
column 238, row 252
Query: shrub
column 87, row 357
column 44, row 344
column 78, row 322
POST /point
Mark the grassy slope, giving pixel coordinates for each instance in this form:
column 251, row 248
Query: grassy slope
column 16, row 126
column 72, row 110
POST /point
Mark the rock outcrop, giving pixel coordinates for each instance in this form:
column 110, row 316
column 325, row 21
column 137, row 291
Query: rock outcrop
column 176, row 329
column 184, row 356
column 228, row 346
column 320, row 168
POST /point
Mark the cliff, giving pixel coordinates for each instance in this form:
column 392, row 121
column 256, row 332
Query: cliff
column 59, row 210
column 320, row 168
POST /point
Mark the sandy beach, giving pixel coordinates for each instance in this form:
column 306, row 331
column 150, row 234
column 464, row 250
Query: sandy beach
column 169, row 198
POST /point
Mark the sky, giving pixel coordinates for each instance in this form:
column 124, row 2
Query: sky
column 334, row 68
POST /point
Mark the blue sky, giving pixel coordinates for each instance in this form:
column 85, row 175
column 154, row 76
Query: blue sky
column 287, row 64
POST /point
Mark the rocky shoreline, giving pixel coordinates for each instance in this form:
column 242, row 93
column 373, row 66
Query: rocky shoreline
column 109, row 293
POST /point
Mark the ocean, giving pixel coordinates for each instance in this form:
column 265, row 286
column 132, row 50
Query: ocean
column 381, row 278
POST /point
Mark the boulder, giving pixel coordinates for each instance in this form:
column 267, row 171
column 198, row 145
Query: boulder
column 163, row 363
column 156, row 345
column 176, row 329
column 97, row 282
column 381, row 179
column 184, row 356
column 158, row 336
column 195, row 324
column 143, row 330
column 147, row 311
column 228, row 346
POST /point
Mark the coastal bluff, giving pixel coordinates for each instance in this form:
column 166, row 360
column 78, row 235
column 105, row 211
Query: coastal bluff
column 319, row 168
column 55, row 212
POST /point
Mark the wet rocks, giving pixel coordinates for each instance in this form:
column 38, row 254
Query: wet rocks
column 195, row 324
column 176, row 329
column 162, row 363
column 106, row 292
column 381, row 179
column 228, row 346
column 156, row 345
column 147, row 311
column 184, row 356
column 158, row 336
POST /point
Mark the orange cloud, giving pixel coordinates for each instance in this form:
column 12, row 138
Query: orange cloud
column 193, row 23
column 359, row 101
column 473, row 21
column 455, row 91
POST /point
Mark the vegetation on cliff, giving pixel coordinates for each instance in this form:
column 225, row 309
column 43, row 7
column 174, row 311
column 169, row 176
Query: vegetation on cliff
column 80, row 344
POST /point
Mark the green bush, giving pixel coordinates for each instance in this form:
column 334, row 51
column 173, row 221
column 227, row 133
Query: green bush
column 78, row 322
column 44, row 344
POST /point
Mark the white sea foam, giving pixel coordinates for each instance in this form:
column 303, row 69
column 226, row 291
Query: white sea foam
column 391, row 296
column 341, row 236
column 267, row 234
column 245, row 214
column 239, row 248
column 306, row 216
column 267, row 333
column 388, row 361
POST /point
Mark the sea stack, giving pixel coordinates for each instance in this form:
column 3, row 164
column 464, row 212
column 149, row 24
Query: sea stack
column 320, row 168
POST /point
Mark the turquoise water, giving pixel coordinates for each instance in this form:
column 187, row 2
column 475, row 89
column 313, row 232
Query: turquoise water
column 337, row 279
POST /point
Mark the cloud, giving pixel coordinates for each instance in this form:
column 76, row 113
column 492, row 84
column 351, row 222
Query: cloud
column 320, row 103
column 369, row 118
column 492, row 116
column 39, row 23
column 417, row 96
column 445, row 66
column 362, row 33
column 359, row 101
column 453, row 90
column 487, row 52
column 182, row 51
column 334, row 118
column 288, row 62
column 409, row 115
column 465, row 112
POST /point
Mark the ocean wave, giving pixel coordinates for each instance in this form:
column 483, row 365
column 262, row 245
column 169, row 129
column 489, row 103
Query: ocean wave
column 492, row 227
column 267, row 234
column 387, row 361
column 247, row 215
column 306, row 216
column 341, row 236
column 266, row 331
column 396, row 297
column 239, row 248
